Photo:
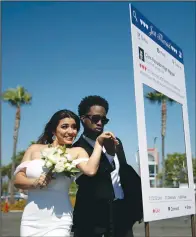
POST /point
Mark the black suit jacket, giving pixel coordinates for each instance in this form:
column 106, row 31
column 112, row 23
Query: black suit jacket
column 94, row 193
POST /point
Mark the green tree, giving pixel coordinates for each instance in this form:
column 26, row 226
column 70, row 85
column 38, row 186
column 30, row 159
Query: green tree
column 176, row 169
column 16, row 97
column 5, row 187
column 6, row 169
column 19, row 157
column 5, row 172
column 163, row 100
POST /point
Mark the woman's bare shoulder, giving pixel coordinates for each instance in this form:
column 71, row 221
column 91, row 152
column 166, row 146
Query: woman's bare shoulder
column 32, row 151
column 37, row 147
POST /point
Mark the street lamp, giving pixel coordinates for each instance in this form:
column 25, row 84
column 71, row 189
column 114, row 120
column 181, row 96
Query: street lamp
column 155, row 139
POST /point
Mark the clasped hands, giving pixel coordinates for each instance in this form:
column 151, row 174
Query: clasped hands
column 110, row 144
column 43, row 180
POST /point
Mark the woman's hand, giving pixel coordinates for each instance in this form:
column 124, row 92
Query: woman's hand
column 107, row 136
column 43, row 180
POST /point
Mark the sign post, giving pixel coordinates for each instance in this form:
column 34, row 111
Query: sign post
column 158, row 63
column 193, row 224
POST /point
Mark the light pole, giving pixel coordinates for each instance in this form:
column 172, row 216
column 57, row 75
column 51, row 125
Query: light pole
column 155, row 139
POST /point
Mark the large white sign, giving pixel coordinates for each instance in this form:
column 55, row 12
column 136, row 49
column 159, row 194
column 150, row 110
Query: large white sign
column 158, row 63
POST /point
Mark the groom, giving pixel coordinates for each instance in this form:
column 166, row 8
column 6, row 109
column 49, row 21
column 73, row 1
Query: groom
column 109, row 203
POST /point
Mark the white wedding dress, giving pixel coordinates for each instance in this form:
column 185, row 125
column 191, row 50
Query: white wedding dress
column 48, row 211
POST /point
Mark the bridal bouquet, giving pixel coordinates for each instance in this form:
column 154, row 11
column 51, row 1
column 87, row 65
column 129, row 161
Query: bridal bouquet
column 57, row 160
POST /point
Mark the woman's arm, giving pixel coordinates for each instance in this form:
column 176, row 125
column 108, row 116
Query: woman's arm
column 21, row 181
column 91, row 166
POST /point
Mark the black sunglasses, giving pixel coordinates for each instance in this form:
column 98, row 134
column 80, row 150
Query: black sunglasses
column 96, row 118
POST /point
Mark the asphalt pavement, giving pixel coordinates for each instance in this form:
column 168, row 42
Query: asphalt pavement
column 175, row 227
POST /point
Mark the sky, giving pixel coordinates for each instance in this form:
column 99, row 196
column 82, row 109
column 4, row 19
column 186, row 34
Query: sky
column 63, row 51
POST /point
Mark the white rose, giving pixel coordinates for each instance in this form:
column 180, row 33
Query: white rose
column 70, row 167
column 60, row 152
column 63, row 159
column 48, row 151
column 58, row 157
column 67, row 165
column 59, row 167
column 52, row 158
column 45, row 152
column 49, row 164
column 69, row 157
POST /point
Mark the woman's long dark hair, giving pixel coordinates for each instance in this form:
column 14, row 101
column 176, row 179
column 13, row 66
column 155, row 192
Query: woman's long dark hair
column 50, row 128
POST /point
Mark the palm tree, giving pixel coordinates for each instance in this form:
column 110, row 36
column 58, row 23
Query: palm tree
column 157, row 97
column 16, row 97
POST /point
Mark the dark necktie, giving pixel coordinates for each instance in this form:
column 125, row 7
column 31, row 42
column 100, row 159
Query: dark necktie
column 113, row 164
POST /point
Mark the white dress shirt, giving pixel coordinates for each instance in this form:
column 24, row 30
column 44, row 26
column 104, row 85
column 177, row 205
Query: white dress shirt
column 114, row 174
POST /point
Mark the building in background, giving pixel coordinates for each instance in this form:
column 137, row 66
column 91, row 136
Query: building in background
column 153, row 164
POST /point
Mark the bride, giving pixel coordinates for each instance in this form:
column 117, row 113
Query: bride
column 48, row 211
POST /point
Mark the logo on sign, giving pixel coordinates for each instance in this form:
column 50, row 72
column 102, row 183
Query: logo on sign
column 143, row 67
column 187, row 207
column 173, row 208
column 143, row 23
column 156, row 210
column 141, row 54
column 174, row 50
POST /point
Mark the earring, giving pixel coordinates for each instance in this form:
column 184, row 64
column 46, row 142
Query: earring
column 53, row 137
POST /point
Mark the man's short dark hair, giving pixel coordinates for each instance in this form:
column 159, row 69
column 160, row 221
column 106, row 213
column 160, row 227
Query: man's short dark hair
column 89, row 101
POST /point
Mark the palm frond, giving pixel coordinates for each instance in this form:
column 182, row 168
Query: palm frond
column 153, row 97
column 27, row 98
column 17, row 96
column 158, row 97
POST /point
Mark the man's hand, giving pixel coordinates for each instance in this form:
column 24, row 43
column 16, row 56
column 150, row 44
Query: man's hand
column 108, row 140
column 110, row 146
